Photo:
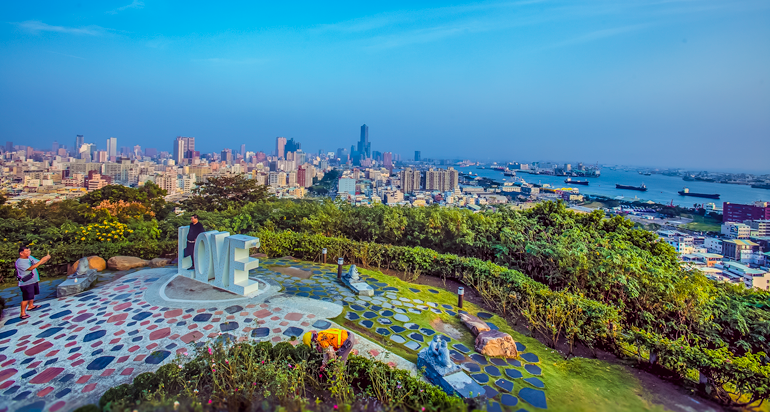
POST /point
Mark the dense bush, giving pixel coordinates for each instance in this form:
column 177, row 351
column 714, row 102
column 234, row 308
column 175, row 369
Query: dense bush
column 259, row 376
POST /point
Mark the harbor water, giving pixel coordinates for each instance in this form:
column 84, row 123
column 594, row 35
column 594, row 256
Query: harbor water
column 660, row 188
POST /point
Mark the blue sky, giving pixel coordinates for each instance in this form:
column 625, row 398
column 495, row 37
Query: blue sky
column 661, row 83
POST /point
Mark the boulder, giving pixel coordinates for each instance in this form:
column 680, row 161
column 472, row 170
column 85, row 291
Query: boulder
column 125, row 262
column 473, row 323
column 497, row 344
column 158, row 262
column 94, row 262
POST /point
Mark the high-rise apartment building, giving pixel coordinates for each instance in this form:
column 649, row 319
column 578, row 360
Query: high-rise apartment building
column 441, row 180
column 227, row 156
column 86, row 150
column 8, row 146
column 417, row 156
column 387, row 160
column 184, row 148
column 410, row 180
column 280, row 146
column 112, row 147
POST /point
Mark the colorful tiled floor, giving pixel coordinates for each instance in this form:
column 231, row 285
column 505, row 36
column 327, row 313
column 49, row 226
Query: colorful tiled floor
column 75, row 348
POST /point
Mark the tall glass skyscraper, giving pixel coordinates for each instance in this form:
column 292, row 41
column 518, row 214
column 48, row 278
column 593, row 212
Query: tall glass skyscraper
column 364, row 147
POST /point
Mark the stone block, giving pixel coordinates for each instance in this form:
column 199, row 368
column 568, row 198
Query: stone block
column 473, row 323
column 158, row 262
column 497, row 344
column 126, row 263
column 71, row 287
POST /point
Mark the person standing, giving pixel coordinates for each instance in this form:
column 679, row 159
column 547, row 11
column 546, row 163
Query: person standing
column 26, row 273
column 196, row 228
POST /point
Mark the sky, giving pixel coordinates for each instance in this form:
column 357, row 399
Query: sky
column 662, row 83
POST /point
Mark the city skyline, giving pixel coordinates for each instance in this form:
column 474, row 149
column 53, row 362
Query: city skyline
column 663, row 84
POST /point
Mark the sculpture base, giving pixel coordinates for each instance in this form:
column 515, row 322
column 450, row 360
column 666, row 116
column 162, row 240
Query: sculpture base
column 358, row 287
column 450, row 379
column 69, row 287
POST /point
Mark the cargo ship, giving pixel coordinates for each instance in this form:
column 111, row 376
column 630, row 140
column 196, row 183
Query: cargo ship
column 641, row 188
column 576, row 182
column 687, row 192
column 761, row 185
column 509, row 173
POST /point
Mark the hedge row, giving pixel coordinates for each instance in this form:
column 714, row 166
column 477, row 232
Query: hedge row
column 553, row 313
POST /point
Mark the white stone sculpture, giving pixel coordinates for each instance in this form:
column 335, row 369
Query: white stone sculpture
column 220, row 260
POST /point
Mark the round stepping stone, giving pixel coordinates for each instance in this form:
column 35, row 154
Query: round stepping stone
column 490, row 391
column 533, row 369
column 387, row 313
column 451, row 313
column 520, row 347
column 351, row 316
column 493, row 406
column 397, row 329
column 412, row 345
column 357, row 307
column 415, row 290
column 260, row 332
column 508, row 400
column 513, row 373
column 370, row 315
column 456, row 356
column 399, row 310
column 499, row 362
column 433, row 291
column 397, row 339
column 417, row 337
column 411, row 326
column 479, row 359
column 535, row 382
column 385, row 321
column 366, row 323
column 480, row 378
column 462, row 348
column 492, row 326
column 427, row 332
column 322, row 324
column 534, row 397
column 100, row 363
column 484, row 315
column 471, row 367
column 158, row 356
column 514, row 362
column 504, row 385
column 530, row 357
column 294, row 331
column 383, row 331
column 492, row 370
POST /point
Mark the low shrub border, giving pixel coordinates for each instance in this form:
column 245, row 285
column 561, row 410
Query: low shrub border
column 246, row 375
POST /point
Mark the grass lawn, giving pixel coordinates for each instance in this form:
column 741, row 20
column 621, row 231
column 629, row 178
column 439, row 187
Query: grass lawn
column 703, row 224
column 578, row 384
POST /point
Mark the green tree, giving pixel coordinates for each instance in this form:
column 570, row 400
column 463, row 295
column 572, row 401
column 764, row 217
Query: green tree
column 225, row 192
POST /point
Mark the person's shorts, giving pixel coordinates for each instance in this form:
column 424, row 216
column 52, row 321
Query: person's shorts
column 28, row 292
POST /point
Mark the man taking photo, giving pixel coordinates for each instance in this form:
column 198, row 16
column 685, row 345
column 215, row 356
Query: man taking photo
column 26, row 273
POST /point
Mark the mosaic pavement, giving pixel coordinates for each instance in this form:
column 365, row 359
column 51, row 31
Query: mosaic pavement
column 75, row 348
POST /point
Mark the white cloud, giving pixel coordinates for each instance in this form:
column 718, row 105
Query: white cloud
column 136, row 4
column 36, row 26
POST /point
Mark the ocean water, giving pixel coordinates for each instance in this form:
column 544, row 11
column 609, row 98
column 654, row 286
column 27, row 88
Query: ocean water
column 660, row 188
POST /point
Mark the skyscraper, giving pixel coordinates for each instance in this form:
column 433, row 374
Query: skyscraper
column 243, row 151
column 184, row 148
column 416, row 155
column 112, row 147
column 227, row 156
column 55, row 147
column 292, row 146
column 364, row 147
column 79, row 140
column 280, row 145
column 8, row 146
column 387, row 160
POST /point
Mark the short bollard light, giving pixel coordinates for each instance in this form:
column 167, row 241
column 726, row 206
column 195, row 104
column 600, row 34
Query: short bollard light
column 340, row 261
column 324, row 253
column 460, row 293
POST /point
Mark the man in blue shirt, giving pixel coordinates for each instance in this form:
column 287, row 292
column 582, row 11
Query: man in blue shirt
column 26, row 273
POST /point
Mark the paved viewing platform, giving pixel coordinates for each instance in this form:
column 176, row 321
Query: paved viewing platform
column 75, row 348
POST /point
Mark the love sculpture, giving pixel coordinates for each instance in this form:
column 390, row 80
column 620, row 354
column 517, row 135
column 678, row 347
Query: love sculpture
column 220, row 260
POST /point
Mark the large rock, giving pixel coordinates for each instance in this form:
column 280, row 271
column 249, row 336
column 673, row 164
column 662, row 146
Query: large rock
column 473, row 323
column 126, row 263
column 94, row 262
column 158, row 262
column 497, row 344
column 75, row 285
